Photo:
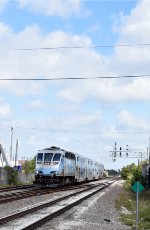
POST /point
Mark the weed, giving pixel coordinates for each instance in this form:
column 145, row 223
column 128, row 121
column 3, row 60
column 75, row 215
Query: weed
column 126, row 204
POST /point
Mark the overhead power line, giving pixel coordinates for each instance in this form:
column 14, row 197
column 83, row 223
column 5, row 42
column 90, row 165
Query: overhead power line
column 73, row 78
column 79, row 130
column 126, row 132
column 84, row 47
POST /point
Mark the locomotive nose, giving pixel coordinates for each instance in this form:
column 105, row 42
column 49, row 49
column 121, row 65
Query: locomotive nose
column 53, row 174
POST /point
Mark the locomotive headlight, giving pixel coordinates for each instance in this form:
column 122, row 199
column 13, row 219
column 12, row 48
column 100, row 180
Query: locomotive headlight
column 38, row 172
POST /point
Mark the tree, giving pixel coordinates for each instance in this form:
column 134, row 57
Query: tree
column 112, row 172
column 29, row 166
column 12, row 175
column 32, row 165
column 137, row 175
column 132, row 173
column 125, row 172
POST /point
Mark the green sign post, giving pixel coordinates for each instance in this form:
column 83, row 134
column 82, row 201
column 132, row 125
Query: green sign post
column 137, row 187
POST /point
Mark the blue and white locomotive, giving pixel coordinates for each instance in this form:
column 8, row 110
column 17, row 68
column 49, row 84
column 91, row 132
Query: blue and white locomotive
column 58, row 166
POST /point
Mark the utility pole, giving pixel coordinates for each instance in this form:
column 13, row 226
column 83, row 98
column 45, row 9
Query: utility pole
column 11, row 144
column 16, row 153
column 149, row 150
column 115, row 153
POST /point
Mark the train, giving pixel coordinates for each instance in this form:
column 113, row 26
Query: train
column 56, row 166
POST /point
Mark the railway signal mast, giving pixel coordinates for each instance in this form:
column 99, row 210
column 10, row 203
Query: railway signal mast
column 126, row 153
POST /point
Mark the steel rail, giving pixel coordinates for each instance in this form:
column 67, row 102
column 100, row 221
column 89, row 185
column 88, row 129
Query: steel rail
column 5, row 198
column 7, row 189
column 48, row 204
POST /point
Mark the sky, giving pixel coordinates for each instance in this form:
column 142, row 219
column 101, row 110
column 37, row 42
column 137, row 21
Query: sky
column 56, row 40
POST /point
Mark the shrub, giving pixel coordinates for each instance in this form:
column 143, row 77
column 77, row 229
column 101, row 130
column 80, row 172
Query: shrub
column 132, row 173
column 12, row 175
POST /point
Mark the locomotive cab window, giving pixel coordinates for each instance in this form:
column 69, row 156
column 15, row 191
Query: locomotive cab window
column 57, row 157
column 40, row 157
column 48, row 158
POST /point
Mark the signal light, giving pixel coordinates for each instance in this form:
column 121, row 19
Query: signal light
column 120, row 151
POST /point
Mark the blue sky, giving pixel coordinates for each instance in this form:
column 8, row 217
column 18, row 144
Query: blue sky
column 83, row 116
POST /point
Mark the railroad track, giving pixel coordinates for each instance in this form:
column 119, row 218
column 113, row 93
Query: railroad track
column 12, row 196
column 31, row 218
column 29, row 191
column 15, row 188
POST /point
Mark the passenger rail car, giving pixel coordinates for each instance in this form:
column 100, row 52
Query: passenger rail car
column 58, row 166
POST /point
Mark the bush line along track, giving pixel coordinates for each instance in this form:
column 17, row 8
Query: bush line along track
column 35, row 220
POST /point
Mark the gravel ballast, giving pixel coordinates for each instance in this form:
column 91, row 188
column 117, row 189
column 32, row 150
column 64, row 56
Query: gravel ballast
column 98, row 212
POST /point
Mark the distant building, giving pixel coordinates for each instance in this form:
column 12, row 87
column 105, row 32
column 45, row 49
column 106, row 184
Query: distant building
column 21, row 162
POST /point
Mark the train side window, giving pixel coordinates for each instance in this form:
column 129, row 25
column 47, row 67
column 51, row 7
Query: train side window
column 70, row 155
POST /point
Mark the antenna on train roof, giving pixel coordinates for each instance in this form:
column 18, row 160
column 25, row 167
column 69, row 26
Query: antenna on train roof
column 54, row 147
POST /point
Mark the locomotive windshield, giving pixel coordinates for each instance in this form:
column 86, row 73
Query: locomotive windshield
column 40, row 157
column 48, row 157
column 57, row 157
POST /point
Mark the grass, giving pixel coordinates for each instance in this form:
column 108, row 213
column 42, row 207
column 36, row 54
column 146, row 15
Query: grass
column 126, row 204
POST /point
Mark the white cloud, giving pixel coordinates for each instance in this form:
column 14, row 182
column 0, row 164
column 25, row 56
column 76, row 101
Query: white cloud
column 67, row 107
column 112, row 133
column 134, row 27
column 36, row 105
column 33, row 141
column 49, row 130
column 3, row 4
column 5, row 31
column 62, row 8
column 53, row 63
column 58, row 121
column 109, row 90
column 5, row 111
column 124, row 61
column 82, row 120
column 71, row 63
column 130, row 120
column 62, row 121
column 77, row 120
